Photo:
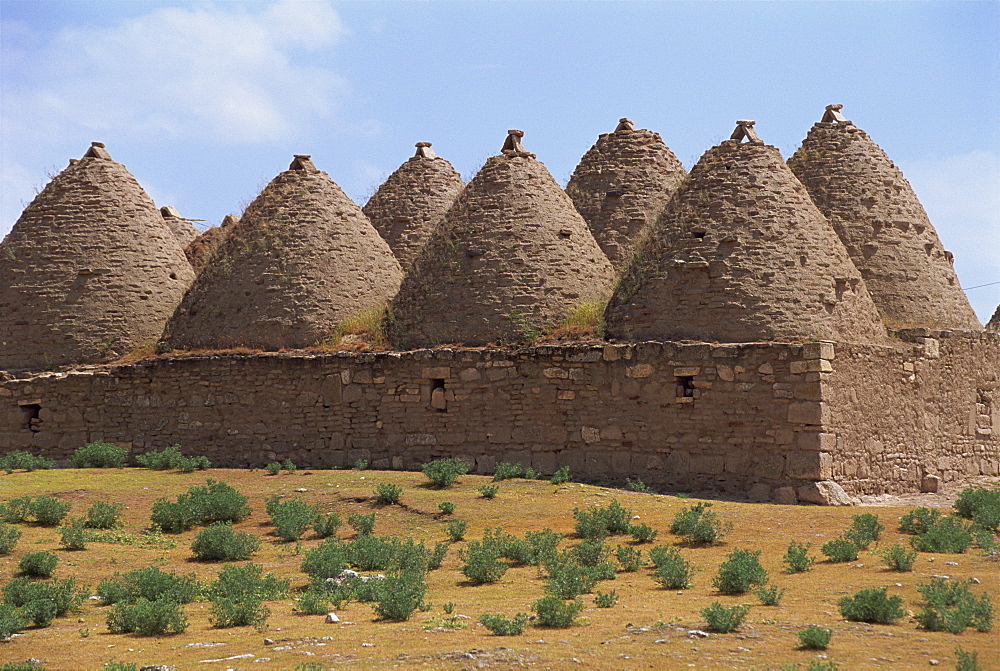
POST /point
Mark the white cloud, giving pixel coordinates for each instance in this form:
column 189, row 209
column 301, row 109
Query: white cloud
column 219, row 71
column 962, row 197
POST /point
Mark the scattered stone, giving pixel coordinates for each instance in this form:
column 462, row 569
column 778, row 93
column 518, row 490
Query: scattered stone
column 209, row 645
column 942, row 576
column 157, row 667
column 268, row 641
column 302, row 489
column 933, row 662
column 367, row 645
column 697, row 633
column 331, row 618
column 951, row 563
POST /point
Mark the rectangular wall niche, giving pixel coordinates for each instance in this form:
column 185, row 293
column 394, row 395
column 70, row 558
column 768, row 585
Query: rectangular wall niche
column 438, row 401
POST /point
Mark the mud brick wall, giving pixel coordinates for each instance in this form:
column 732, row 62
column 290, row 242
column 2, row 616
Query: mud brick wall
column 932, row 407
column 699, row 417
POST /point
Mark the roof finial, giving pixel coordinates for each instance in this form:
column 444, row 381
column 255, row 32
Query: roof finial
column 744, row 129
column 169, row 211
column 97, row 150
column 424, row 150
column 624, row 124
column 833, row 115
column 302, row 162
column 513, row 142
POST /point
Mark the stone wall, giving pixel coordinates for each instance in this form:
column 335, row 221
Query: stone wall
column 762, row 420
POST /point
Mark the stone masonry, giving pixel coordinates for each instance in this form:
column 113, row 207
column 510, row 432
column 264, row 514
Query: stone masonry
column 412, row 202
column 622, row 185
column 511, row 258
column 302, row 259
column 773, row 421
column 994, row 323
column 884, row 227
column 89, row 271
column 742, row 254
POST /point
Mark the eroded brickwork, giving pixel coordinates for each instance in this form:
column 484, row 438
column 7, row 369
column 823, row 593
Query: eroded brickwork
column 742, row 254
column 511, row 257
column 89, row 271
column 302, row 259
column 622, row 185
column 183, row 229
column 884, row 227
column 412, row 202
column 994, row 323
column 201, row 250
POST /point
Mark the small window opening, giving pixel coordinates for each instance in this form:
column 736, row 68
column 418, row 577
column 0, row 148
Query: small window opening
column 685, row 386
column 438, row 400
column 31, row 420
column 699, row 233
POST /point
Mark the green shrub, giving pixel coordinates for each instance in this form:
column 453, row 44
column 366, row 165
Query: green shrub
column 327, row 525
column 554, row 612
column 28, row 665
column 591, row 552
column 171, row 458
column 629, row 558
column 363, row 525
column 290, row 518
column 12, row 620
column 399, row 595
column 16, row 511
column 200, row 505
column 488, row 491
column 898, row 558
column 672, row 570
column 597, row 522
column 444, row 472
column 368, row 553
column 871, row 605
column 326, row 560
column 73, row 535
column 699, row 525
column 506, row 471
column 437, row 556
column 740, row 572
column 115, row 665
column 532, row 474
column 770, row 595
column 147, row 618
column 840, row 551
column 637, row 485
column 605, row 599
column 567, row 579
column 273, row 468
column 446, row 507
column 220, row 542
column 966, row 661
column 981, row 505
column 247, row 581
column 814, row 638
column 99, row 455
column 643, row 533
column 289, row 466
column 173, row 517
column 151, row 584
column 947, row 535
column 919, row 520
column 49, row 512
column 361, row 465
column 38, row 564
column 9, row 535
column 561, row 476
column 228, row 613
column 797, row 558
column 722, row 619
column 482, row 563
column 456, row 530
column 387, row 494
column 314, row 601
column 41, row 601
column 502, row 626
column 103, row 515
column 13, row 461
column 950, row 606
column 864, row 530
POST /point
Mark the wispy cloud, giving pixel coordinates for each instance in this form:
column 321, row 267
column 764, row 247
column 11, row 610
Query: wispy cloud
column 221, row 71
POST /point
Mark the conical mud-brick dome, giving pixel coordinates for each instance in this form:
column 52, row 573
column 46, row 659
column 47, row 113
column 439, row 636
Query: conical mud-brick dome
column 742, row 254
column 89, row 271
column 200, row 250
column 994, row 323
column 622, row 185
column 413, row 201
column 883, row 226
column 512, row 257
column 183, row 230
column 301, row 259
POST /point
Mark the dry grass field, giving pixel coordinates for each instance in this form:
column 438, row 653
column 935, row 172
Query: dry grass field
column 648, row 628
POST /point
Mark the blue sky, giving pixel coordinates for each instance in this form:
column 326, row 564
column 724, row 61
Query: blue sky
column 205, row 102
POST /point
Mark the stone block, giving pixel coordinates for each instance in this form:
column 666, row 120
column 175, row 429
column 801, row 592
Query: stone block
column 689, row 371
column 486, row 464
column 726, row 373
column 930, row 483
column 590, row 434
column 810, row 366
column 544, row 462
column 818, row 350
column 809, row 465
column 611, row 433
column 759, row 492
column 556, row 373
column 397, row 463
column 769, row 466
column 621, row 462
column 420, row 439
column 785, row 496
column 710, row 464
column 824, row 493
column 679, row 462
column 469, row 375
column 566, row 395
column 434, row 372
column 640, row 370
column 814, row 413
